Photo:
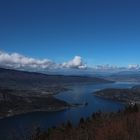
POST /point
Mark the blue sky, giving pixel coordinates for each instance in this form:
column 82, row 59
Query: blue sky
column 99, row 31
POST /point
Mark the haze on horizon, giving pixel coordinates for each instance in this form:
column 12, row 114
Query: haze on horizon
column 52, row 35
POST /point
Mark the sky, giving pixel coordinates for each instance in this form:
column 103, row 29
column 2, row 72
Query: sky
column 70, row 33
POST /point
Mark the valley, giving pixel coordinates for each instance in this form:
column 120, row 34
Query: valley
column 23, row 92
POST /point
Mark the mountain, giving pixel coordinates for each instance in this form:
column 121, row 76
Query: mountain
column 15, row 79
column 125, row 76
column 11, row 104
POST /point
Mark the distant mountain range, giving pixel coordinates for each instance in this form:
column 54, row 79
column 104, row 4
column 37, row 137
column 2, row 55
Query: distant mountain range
column 129, row 76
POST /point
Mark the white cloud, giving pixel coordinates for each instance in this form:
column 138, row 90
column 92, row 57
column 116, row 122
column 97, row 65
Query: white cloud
column 15, row 60
column 76, row 63
column 134, row 66
column 18, row 61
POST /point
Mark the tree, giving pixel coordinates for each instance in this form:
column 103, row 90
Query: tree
column 82, row 120
column 69, row 124
column 135, row 108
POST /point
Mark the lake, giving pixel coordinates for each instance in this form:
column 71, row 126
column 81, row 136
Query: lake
column 78, row 94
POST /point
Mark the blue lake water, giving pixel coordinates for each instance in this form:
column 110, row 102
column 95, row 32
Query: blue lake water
column 77, row 94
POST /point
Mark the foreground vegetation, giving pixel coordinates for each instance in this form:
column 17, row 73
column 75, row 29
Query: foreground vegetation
column 122, row 125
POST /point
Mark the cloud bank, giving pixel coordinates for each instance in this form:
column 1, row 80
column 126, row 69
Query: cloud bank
column 15, row 60
column 21, row 62
column 18, row 61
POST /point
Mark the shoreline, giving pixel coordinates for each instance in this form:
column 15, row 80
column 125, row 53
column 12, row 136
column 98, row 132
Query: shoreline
column 45, row 110
column 34, row 111
column 124, row 96
column 11, row 112
column 115, row 100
